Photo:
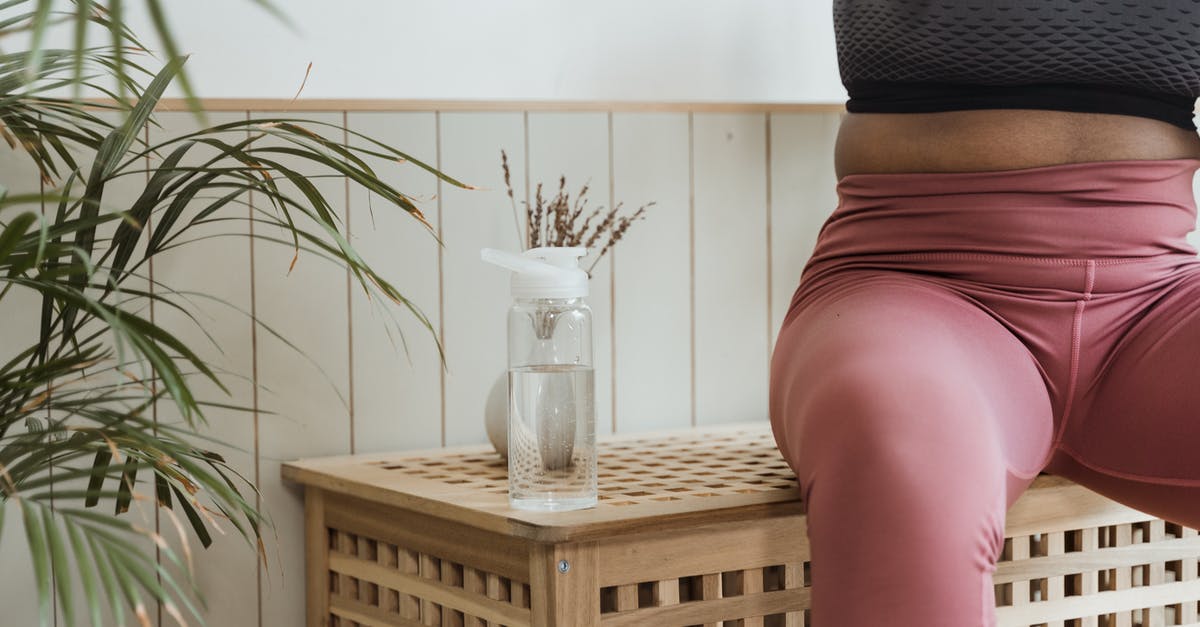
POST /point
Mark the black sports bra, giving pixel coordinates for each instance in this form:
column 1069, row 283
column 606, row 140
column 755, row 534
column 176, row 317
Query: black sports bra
column 1132, row 57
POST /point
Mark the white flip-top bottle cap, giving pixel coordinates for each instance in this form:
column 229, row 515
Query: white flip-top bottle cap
column 543, row 272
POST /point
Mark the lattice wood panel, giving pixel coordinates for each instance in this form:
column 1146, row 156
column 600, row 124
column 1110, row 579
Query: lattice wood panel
column 1125, row 575
column 372, row 582
column 636, row 471
column 759, row 596
column 738, row 573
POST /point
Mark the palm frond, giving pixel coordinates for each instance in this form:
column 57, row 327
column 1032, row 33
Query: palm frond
column 80, row 449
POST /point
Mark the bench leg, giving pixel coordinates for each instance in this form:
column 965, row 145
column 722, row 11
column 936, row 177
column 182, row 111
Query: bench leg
column 316, row 545
column 564, row 599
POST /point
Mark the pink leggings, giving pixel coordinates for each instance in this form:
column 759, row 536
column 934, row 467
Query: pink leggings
column 954, row 334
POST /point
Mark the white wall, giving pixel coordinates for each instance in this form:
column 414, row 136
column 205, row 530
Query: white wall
column 690, row 50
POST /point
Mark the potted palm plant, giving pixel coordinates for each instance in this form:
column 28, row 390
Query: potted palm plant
column 79, row 442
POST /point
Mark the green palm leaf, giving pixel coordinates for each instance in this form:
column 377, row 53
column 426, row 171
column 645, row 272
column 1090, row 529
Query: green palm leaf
column 79, row 446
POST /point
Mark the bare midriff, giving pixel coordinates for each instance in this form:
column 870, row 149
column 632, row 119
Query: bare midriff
column 1001, row 139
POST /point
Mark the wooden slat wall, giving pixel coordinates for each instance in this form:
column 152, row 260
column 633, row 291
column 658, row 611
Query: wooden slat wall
column 575, row 145
column 120, row 193
column 475, row 295
column 652, row 297
column 802, row 196
column 309, row 413
column 730, row 251
column 226, row 570
column 686, row 307
column 17, row 333
column 397, row 394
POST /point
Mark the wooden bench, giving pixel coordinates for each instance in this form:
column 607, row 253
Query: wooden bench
column 693, row 527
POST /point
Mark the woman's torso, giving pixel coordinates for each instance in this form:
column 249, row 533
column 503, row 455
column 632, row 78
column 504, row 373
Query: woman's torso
column 1001, row 139
column 1100, row 80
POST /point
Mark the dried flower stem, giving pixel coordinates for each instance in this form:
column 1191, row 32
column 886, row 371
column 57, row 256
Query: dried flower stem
column 511, row 199
column 622, row 224
column 604, row 224
column 553, row 222
column 536, row 230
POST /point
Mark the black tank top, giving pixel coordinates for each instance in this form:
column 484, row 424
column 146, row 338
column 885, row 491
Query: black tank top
column 1131, row 57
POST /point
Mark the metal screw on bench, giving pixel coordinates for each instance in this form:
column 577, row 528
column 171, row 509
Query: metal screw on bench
column 563, row 566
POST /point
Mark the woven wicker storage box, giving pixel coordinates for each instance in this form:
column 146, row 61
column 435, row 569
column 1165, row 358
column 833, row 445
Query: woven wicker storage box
column 693, row 527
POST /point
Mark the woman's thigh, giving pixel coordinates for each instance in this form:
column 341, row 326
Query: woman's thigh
column 913, row 420
column 901, row 370
column 1137, row 434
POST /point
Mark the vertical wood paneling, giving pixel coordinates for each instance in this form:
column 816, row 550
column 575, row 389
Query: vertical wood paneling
column 803, row 194
column 19, row 594
column 476, row 295
column 652, row 370
column 18, row 332
column 119, row 194
column 730, row 267
column 219, row 267
column 304, row 412
column 575, row 145
column 397, row 394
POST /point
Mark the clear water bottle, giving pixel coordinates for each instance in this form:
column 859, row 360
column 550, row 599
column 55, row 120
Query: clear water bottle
column 551, row 383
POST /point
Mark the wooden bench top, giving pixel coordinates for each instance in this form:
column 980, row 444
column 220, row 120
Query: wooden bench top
column 656, row 481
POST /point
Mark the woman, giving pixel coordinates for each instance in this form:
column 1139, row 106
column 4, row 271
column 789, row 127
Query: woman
column 1004, row 288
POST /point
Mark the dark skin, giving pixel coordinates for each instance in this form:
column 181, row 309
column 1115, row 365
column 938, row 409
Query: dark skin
column 1001, row 139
